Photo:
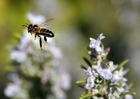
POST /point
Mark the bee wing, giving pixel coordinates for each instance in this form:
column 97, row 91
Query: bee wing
column 47, row 23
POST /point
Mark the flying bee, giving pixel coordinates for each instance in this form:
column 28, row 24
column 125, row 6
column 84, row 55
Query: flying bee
column 40, row 30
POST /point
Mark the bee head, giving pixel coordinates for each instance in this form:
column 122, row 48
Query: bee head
column 30, row 28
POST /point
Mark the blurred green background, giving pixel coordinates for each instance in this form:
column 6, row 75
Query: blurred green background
column 76, row 21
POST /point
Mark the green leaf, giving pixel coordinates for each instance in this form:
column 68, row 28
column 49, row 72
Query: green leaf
column 87, row 61
column 81, row 86
column 127, row 70
column 81, row 81
column 83, row 67
column 126, row 93
column 121, row 65
column 86, row 96
column 130, row 85
column 115, row 86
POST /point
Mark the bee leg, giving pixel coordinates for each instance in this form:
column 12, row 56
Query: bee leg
column 35, row 35
column 40, row 42
column 45, row 39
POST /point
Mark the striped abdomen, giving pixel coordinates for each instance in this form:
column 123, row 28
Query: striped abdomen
column 46, row 32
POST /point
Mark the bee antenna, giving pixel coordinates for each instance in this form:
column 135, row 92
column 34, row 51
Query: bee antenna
column 26, row 25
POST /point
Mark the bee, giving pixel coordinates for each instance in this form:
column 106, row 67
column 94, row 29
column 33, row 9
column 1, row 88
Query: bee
column 40, row 30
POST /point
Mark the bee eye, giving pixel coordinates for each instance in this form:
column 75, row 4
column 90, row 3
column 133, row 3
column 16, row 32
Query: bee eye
column 35, row 27
column 30, row 26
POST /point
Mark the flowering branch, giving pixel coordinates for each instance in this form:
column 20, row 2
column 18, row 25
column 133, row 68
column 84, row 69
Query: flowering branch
column 36, row 74
column 105, row 80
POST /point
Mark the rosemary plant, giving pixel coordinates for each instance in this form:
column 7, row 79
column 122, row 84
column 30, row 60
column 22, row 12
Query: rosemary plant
column 105, row 80
column 35, row 73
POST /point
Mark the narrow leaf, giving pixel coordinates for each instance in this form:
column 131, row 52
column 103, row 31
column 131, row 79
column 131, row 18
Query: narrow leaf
column 130, row 85
column 121, row 65
column 83, row 67
column 130, row 93
column 87, row 61
column 86, row 96
column 81, row 81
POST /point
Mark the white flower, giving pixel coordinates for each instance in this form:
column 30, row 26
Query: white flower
column 112, row 66
column 114, row 94
column 95, row 97
column 90, row 82
column 14, row 78
column 105, row 73
column 118, row 75
column 95, row 91
column 100, row 37
column 59, row 93
column 45, row 75
column 56, row 51
column 88, row 72
column 90, row 79
column 24, row 41
column 19, row 56
column 14, row 90
column 35, row 19
column 96, row 43
column 11, row 90
column 65, row 80
column 128, row 97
